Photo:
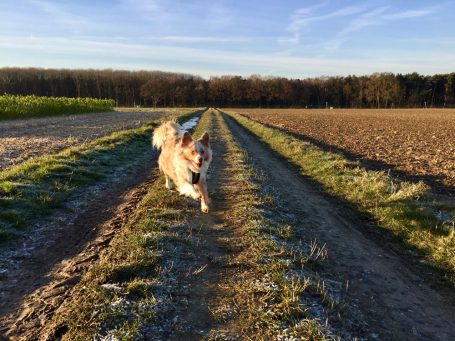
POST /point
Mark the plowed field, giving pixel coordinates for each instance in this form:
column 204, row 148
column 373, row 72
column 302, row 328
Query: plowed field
column 415, row 143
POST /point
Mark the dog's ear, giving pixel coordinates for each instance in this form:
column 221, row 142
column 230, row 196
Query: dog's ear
column 205, row 139
column 186, row 139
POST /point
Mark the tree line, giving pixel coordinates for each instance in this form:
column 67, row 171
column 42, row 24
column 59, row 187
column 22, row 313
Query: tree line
column 156, row 88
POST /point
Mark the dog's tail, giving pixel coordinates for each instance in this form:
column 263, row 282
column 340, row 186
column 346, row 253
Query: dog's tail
column 166, row 130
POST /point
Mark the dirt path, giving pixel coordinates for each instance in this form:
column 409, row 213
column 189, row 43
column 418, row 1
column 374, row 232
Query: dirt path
column 396, row 303
column 41, row 272
column 199, row 265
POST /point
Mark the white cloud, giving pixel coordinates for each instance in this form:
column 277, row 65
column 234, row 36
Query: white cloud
column 375, row 17
column 408, row 14
column 305, row 17
column 291, row 40
column 334, row 44
column 370, row 18
column 206, row 61
column 360, row 17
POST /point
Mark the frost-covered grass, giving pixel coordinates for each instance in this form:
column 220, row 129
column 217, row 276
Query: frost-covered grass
column 115, row 296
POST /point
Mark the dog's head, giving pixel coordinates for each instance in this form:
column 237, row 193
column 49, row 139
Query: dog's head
column 197, row 153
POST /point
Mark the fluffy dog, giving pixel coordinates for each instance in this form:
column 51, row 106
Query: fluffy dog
column 184, row 161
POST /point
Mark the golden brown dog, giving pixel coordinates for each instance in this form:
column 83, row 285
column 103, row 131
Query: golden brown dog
column 184, row 161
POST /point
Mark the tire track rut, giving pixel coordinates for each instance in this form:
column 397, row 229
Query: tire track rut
column 39, row 283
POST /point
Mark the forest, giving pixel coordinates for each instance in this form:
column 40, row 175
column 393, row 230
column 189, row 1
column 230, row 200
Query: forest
column 157, row 88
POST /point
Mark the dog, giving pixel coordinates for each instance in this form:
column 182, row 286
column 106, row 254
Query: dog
column 184, row 161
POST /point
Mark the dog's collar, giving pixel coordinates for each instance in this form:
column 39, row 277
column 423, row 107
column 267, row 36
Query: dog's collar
column 195, row 177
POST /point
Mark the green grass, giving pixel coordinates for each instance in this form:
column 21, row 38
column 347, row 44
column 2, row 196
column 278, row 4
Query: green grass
column 33, row 189
column 405, row 209
column 13, row 106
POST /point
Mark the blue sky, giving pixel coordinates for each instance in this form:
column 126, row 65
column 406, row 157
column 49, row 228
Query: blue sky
column 295, row 39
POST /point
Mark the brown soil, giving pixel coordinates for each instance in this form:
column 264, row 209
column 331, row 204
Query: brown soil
column 396, row 302
column 415, row 143
column 25, row 138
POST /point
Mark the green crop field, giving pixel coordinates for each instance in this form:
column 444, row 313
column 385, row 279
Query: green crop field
column 12, row 106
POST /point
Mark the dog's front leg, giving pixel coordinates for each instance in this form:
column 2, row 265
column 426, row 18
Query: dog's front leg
column 205, row 200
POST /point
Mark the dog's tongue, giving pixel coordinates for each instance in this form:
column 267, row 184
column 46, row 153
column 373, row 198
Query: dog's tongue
column 199, row 164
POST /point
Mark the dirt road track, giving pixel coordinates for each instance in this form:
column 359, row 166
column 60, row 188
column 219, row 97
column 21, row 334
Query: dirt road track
column 199, row 266
column 49, row 272
column 396, row 303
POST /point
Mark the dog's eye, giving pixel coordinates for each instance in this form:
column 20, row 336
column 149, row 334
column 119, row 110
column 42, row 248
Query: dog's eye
column 193, row 152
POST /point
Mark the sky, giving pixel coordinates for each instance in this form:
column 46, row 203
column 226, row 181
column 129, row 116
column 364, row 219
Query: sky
column 294, row 39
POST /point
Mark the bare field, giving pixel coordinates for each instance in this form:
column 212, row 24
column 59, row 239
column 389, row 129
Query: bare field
column 416, row 143
column 25, row 138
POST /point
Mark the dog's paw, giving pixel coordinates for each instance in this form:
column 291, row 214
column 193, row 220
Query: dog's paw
column 204, row 208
